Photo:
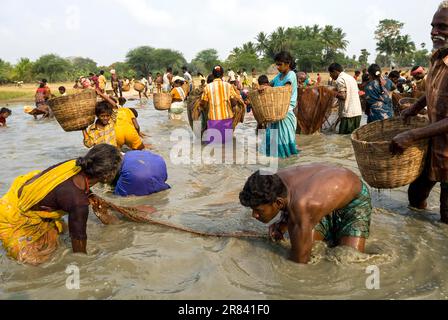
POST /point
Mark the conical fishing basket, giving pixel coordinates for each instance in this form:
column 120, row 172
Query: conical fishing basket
column 270, row 104
column 76, row 111
column 162, row 101
column 379, row 167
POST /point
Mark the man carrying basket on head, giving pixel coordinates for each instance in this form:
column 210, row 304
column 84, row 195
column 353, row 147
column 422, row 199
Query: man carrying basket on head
column 436, row 99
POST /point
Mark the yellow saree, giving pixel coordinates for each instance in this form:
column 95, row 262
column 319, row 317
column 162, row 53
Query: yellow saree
column 32, row 236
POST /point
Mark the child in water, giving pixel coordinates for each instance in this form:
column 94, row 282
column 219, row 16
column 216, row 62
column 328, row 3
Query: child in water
column 4, row 114
column 103, row 130
column 62, row 91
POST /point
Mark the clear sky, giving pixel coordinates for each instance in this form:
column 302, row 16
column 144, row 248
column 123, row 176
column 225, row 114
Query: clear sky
column 105, row 30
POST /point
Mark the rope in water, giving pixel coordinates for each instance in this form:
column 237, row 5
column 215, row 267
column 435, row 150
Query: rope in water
column 101, row 208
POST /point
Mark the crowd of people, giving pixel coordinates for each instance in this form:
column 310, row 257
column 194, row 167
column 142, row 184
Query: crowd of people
column 31, row 209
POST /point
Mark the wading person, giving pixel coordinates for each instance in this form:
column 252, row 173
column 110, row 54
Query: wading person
column 378, row 98
column 418, row 73
column 220, row 97
column 284, row 131
column 4, row 114
column 31, row 212
column 341, row 217
column 350, row 110
column 142, row 173
column 116, row 83
column 436, row 100
column 178, row 99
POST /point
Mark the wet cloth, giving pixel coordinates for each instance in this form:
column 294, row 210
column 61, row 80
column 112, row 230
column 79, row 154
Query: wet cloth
column 378, row 102
column 125, row 131
column 285, row 138
column 31, row 236
column 216, row 131
column 351, row 221
column 142, row 173
column 349, row 125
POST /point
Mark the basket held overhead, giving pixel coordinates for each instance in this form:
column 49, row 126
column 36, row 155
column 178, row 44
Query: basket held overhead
column 139, row 87
column 76, row 111
column 271, row 104
column 162, row 101
column 379, row 167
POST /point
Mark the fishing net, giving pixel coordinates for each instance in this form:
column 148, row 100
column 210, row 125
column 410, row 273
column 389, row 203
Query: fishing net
column 314, row 107
column 142, row 214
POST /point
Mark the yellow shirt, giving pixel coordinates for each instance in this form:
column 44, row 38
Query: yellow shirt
column 102, row 82
column 96, row 135
column 218, row 94
column 178, row 94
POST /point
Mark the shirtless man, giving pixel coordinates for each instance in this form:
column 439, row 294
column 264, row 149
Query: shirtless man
column 318, row 202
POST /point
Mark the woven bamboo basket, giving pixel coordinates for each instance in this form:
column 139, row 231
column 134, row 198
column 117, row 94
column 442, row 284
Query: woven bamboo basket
column 406, row 103
column 139, row 87
column 381, row 169
column 126, row 88
column 75, row 112
column 162, row 101
column 271, row 104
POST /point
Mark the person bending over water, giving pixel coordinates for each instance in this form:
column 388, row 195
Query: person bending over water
column 32, row 210
column 318, row 203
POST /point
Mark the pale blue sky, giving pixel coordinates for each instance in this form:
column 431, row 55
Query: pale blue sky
column 106, row 29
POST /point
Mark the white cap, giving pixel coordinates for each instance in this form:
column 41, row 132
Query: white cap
column 177, row 78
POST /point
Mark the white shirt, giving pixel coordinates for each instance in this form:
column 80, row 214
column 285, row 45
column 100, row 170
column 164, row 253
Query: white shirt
column 144, row 81
column 188, row 77
column 231, row 75
column 351, row 106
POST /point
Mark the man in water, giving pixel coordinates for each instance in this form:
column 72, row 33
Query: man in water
column 318, row 203
column 436, row 99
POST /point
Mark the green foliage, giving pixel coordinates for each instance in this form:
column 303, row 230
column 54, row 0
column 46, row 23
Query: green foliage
column 124, row 70
column 364, row 58
column 422, row 57
column 314, row 47
column 205, row 60
column 5, row 71
column 52, row 67
column 83, row 66
column 394, row 47
column 23, row 70
column 147, row 59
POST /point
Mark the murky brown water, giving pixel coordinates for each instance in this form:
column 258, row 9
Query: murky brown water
column 134, row 261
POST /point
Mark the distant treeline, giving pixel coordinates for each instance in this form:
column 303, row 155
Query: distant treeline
column 314, row 48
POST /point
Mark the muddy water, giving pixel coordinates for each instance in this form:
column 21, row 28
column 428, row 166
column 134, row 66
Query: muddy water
column 134, row 261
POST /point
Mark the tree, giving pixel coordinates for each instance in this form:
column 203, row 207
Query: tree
column 392, row 45
column 364, row 58
column 5, row 72
column 123, row 70
column 53, row 67
column 205, row 60
column 147, row 59
column 83, row 66
column 142, row 59
column 23, row 70
column 404, row 53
